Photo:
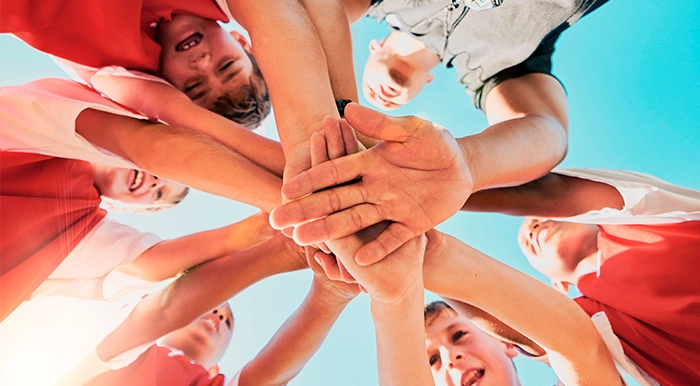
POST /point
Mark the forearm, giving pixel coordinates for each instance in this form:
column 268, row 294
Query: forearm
column 296, row 341
column 540, row 313
column 553, row 195
column 299, row 85
column 201, row 289
column 168, row 104
column 181, row 155
column 495, row 327
column 515, row 151
column 332, row 26
column 400, row 334
column 170, row 257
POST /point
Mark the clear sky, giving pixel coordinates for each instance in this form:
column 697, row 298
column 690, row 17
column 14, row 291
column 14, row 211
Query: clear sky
column 630, row 70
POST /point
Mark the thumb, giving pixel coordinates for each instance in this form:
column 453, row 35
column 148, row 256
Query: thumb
column 376, row 125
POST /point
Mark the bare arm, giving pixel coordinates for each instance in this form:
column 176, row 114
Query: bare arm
column 576, row 351
column 170, row 257
column 527, row 135
column 201, row 289
column 495, row 327
column 299, row 85
column 181, row 155
column 298, row 339
column 168, row 104
column 553, row 195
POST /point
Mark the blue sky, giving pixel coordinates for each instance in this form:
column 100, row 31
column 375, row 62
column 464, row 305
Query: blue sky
column 630, row 70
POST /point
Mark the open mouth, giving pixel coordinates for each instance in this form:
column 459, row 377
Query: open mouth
column 388, row 91
column 189, row 42
column 137, row 180
column 473, row 377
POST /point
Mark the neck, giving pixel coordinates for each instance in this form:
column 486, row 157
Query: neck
column 406, row 45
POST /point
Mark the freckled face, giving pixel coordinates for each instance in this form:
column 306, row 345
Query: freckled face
column 460, row 354
column 202, row 60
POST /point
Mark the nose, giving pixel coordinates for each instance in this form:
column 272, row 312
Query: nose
column 201, row 61
column 451, row 358
column 533, row 226
column 156, row 182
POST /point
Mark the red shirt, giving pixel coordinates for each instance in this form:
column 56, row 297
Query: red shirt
column 99, row 33
column 156, row 367
column 649, row 287
column 47, row 205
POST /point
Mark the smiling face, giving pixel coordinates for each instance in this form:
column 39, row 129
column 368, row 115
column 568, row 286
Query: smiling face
column 391, row 80
column 131, row 186
column 205, row 340
column 556, row 248
column 460, row 354
column 202, row 60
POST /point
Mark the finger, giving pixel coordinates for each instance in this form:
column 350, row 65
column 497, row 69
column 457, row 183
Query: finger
column 334, row 138
column 349, row 138
column 338, row 225
column 317, row 205
column 345, row 274
column 393, row 237
column 329, row 265
column 289, row 232
column 318, row 148
column 324, row 248
column 325, row 175
column 362, row 288
column 379, row 126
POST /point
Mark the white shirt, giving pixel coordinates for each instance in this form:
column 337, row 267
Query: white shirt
column 39, row 117
column 648, row 200
column 88, row 272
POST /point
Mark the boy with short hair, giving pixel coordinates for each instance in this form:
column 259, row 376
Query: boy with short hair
column 205, row 339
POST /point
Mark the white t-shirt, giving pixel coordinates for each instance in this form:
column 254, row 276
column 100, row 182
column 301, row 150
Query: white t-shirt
column 88, row 272
column 39, row 117
column 648, row 200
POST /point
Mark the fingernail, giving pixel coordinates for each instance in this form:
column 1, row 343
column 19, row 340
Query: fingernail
column 318, row 260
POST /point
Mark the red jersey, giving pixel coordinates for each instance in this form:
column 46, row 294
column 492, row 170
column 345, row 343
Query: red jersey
column 158, row 366
column 649, row 287
column 47, row 205
column 99, row 33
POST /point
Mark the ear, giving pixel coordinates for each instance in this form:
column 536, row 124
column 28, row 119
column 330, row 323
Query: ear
column 430, row 78
column 241, row 40
column 561, row 286
column 374, row 46
column 510, row 350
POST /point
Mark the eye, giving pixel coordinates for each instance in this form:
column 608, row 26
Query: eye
column 228, row 324
column 225, row 66
column 458, row 335
column 159, row 194
column 191, row 87
column 433, row 360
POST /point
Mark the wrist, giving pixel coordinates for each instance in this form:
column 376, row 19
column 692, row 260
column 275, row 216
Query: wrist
column 471, row 156
column 328, row 295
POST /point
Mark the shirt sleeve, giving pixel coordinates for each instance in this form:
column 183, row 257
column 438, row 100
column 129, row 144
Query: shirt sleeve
column 648, row 200
column 39, row 117
column 88, row 271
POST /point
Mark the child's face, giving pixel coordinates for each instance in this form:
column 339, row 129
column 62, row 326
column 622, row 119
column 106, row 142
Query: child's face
column 133, row 186
column 205, row 340
column 391, row 80
column 462, row 355
column 555, row 248
column 202, row 60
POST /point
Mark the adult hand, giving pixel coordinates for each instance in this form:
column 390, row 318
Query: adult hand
column 417, row 178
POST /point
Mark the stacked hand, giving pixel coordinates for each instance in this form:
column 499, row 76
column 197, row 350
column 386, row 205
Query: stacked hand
column 385, row 281
column 416, row 178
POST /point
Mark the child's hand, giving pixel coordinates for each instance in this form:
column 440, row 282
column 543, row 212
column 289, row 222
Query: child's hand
column 318, row 261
